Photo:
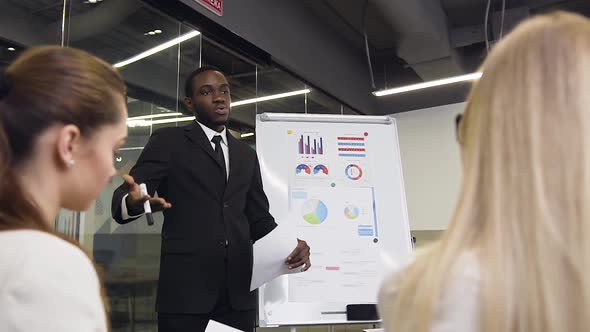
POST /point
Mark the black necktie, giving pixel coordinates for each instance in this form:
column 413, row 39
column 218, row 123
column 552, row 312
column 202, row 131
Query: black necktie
column 219, row 154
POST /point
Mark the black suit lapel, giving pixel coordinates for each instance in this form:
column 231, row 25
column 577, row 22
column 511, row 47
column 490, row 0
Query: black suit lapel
column 196, row 134
column 214, row 181
column 235, row 156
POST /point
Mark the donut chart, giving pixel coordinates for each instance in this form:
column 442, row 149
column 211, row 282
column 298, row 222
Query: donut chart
column 303, row 169
column 353, row 172
column 320, row 170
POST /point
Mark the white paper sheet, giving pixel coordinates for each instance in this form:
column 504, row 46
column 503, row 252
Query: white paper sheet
column 270, row 254
column 214, row 326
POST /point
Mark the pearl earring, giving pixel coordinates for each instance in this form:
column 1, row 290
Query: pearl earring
column 71, row 162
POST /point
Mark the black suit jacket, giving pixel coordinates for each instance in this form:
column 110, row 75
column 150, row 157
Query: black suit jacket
column 211, row 226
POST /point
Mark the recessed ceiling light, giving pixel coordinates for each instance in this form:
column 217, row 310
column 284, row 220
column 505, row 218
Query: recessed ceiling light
column 153, row 32
column 11, row 49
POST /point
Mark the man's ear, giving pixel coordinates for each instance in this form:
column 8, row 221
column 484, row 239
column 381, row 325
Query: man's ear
column 68, row 143
column 188, row 103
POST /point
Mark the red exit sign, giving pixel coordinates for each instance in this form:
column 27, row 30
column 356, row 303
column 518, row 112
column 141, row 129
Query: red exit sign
column 216, row 6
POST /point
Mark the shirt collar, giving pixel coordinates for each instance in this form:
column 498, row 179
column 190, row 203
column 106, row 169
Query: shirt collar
column 211, row 133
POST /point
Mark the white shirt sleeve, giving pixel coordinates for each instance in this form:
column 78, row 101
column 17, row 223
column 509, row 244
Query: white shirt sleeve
column 55, row 289
column 124, row 212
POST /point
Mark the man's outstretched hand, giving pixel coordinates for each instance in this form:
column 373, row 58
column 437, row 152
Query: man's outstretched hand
column 135, row 199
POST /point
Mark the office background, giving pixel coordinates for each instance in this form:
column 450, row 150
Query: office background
column 314, row 50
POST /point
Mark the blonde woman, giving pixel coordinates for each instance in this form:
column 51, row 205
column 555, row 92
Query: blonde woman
column 516, row 256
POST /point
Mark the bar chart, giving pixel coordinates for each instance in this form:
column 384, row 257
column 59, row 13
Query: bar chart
column 310, row 144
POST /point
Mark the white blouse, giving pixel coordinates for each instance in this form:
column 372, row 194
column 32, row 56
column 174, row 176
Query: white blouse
column 458, row 309
column 47, row 284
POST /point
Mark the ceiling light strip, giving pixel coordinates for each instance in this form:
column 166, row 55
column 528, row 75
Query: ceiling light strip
column 425, row 85
column 271, row 97
column 142, row 121
column 147, row 123
column 157, row 49
column 131, row 149
column 152, row 116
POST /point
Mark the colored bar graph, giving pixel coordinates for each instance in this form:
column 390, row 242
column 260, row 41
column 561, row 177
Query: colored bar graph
column 351, row 147
column 301, row 145
column 365, row 230
column 310, row 144
column 351, row 138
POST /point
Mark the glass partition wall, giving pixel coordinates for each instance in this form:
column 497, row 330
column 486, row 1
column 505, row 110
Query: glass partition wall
column 154, row 53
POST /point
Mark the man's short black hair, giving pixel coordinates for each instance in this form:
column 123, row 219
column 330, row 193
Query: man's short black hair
column 188, row 85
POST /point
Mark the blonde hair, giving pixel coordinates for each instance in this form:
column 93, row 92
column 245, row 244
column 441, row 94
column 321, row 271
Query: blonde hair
column 525, row 139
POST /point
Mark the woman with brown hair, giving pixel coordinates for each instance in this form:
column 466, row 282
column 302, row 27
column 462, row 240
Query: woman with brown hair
column 62, row 117
column 516, row 256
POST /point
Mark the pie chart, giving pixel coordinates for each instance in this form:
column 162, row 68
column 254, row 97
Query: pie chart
column 314, row 211
column 351, row 212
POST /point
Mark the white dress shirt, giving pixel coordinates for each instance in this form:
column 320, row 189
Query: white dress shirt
column 210, row 133
column 224, row 147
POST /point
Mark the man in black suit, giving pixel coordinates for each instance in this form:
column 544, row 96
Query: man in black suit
column 214, row 210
